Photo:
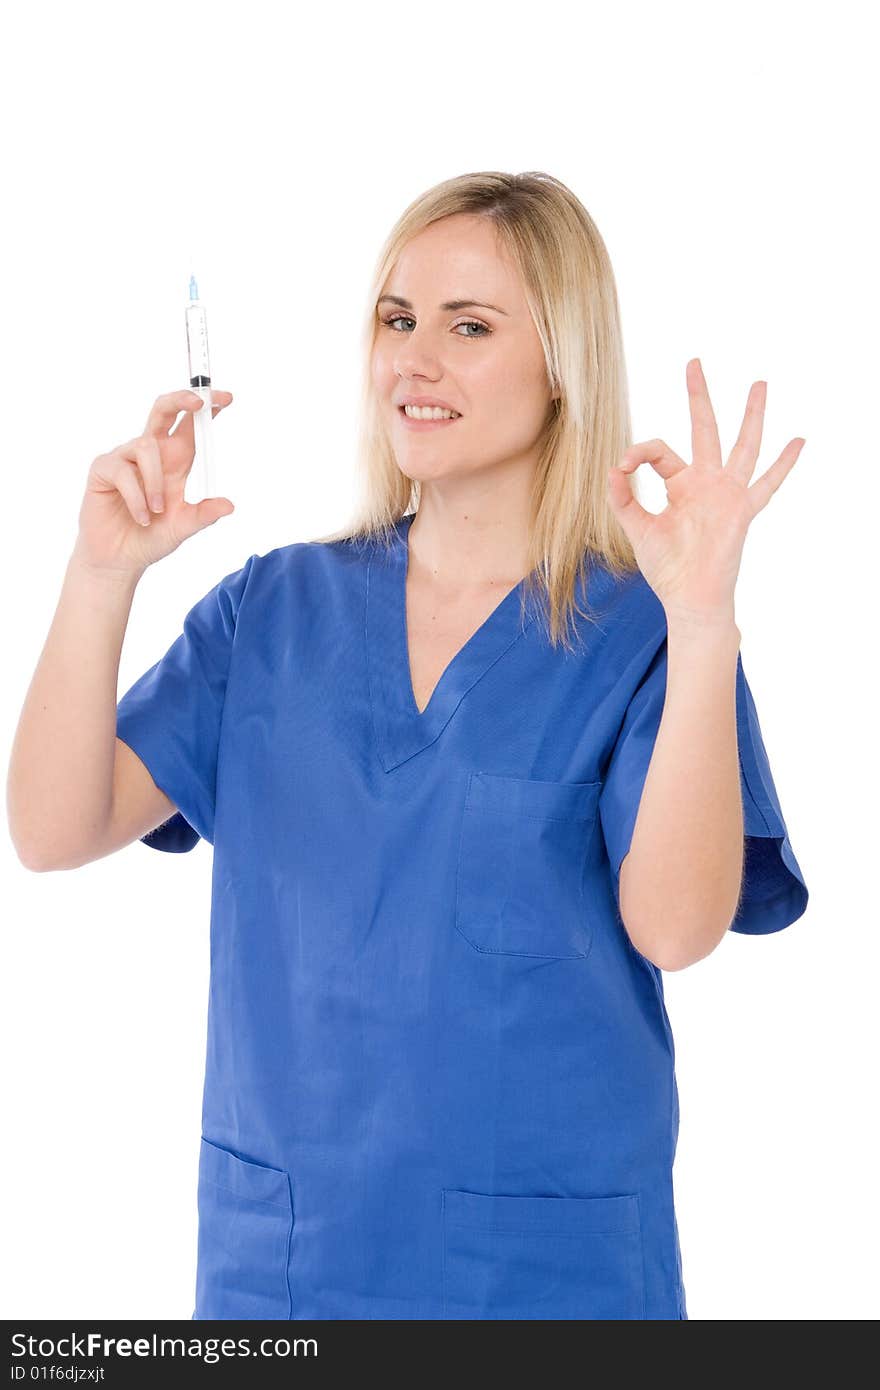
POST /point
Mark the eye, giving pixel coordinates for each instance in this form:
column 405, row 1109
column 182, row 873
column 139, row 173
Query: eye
column 463, row 323
column 395, row 318
column 473, row 323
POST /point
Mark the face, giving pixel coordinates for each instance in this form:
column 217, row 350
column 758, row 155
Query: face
column 486, row 363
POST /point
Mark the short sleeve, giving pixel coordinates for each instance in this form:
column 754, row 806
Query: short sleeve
column 773, row 893
column 172, row 714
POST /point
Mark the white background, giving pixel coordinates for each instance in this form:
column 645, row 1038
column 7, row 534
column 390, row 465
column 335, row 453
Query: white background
column 727, row 156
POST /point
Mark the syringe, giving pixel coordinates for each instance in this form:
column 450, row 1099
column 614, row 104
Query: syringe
column 200, row 381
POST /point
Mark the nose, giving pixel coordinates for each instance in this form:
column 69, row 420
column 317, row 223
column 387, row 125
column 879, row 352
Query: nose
column 414, row 357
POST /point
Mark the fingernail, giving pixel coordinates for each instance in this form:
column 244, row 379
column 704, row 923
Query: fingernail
column 157, row 502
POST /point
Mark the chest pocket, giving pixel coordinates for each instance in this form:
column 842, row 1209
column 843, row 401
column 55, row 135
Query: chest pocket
column 523, row 862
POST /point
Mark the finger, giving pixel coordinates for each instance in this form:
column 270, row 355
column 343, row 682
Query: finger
column 185, row 425
column 705, row 444
column 656, row 452
column 147, row 456
column 167, row 408
column 744, row 454
column 125, row 477
column 763, row 489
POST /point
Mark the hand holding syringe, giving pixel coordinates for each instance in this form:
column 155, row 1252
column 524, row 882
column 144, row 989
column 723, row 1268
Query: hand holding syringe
column 205, row 481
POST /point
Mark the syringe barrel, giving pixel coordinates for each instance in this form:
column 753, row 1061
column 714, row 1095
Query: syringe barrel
column 197, row 345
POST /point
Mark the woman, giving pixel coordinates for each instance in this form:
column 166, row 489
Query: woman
column 476, row 770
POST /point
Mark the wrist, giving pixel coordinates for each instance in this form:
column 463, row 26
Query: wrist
column 692, row 625
column 103, row 577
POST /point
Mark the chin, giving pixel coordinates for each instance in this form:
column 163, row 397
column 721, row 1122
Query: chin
column 425, row 475
column 424, row 471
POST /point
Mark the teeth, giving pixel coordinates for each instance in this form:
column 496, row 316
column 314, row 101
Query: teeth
column 429, row 412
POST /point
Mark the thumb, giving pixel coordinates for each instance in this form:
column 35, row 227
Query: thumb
column 198, row 515
column 620, row 492
column 622, row 497
column 629, row 512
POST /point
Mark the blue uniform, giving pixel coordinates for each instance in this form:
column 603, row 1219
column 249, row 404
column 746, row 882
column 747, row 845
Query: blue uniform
column 440, row 1079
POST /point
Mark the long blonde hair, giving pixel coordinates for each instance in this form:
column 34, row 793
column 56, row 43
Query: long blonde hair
column 571, row 293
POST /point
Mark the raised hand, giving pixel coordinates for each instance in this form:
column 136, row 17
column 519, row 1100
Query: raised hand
column 133, row 512
column 690, row 553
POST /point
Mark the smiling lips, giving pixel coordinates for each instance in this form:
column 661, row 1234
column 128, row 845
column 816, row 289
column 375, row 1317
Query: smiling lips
column 426, row 413
column 428, row 416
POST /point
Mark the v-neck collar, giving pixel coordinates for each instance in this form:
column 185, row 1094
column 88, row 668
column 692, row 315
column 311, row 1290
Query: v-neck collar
column 401, row 731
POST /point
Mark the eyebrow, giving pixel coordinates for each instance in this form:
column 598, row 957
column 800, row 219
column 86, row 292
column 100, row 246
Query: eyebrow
column 453, row 305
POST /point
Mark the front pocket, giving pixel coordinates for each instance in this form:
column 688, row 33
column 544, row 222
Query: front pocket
column 522, row 862
column 542, row 1257
column 245, row 1223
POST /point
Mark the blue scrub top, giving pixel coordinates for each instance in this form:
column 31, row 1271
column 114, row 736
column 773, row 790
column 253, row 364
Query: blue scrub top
column 440, row 1078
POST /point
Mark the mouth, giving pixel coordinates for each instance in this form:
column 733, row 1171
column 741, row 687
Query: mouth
column 415, row 424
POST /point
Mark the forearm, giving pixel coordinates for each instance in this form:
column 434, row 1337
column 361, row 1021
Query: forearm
column 681, row 881
column 60, row 780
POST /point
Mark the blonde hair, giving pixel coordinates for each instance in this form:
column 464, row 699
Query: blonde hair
column 570, row 289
